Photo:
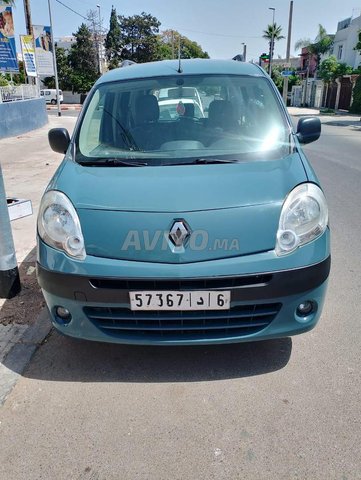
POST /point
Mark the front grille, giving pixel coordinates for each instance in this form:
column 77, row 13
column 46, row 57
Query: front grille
column 238, row 321
column 182, row 284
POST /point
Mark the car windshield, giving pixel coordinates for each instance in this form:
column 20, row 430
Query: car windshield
column 228, row 117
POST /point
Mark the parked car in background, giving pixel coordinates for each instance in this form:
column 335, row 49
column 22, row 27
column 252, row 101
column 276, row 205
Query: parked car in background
column 184, row 230
column 50, row 95
column 171, row 109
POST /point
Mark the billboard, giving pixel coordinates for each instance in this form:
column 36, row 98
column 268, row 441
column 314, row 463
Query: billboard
column 27, row 47
column 8, row 60
column 43, row 50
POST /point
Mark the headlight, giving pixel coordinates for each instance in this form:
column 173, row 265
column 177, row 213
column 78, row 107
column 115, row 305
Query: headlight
column 304, row 217
column 59, row 226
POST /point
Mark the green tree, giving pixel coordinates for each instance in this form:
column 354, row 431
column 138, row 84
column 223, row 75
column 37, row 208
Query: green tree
column 139, row 37
column 321, row 45
column 113, row 42
column 330, row 69
column 82, row 61
column 168, row 45
column 278, row 78
column 273, row 31
column 356, row 103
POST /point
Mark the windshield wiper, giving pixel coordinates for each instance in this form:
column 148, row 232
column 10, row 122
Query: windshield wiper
column 208, row 161
column 201, row 161
column 112, row 162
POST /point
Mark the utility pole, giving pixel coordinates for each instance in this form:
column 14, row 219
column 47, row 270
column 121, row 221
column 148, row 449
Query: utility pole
column 285, row 80
column 54, row 61
column 100, row 46
column 173, row 49
column 29, row 31
column 9, row 272
column 29, row 26
column 272, row 42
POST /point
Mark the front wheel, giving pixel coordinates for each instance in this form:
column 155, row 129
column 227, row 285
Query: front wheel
column 53, row 102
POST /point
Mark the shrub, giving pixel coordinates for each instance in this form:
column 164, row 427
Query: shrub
column 356, row 104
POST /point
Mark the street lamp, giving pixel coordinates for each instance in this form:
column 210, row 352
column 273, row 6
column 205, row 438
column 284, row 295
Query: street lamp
column 272, row 41
column 99, row 42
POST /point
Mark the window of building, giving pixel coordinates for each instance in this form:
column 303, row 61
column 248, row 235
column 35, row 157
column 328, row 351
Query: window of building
column 339, row 53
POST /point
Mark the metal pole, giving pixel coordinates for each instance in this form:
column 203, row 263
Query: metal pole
column 272, row 42
column 9, row 272
column 29, row 31
column 100, row 43
column 285, row 80
column 29, row 27
column 54, row 61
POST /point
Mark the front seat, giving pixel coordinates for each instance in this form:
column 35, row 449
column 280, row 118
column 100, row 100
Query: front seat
column 146, row 133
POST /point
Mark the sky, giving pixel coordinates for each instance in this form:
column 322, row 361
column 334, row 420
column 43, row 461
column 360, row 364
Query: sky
column 219, row 26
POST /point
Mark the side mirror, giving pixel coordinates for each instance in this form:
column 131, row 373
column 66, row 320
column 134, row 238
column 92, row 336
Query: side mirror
column 308, row 129
column 59, row 139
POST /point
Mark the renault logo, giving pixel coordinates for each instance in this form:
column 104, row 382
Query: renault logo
column 179, row 233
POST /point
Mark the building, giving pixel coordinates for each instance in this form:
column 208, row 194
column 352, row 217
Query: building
column 294, row 62
column 346, row 38
column 65, row 42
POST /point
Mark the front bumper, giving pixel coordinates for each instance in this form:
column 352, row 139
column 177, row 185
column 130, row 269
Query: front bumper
column 263, row 304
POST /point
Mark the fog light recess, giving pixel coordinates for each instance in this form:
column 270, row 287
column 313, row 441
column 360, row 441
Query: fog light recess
column 305, row 309
column 63, row 315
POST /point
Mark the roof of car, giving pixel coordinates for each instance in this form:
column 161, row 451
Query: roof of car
column 189, row 67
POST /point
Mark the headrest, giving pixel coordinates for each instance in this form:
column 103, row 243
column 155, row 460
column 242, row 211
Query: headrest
column 146, row 109
column 189, row 110
column 220, row 113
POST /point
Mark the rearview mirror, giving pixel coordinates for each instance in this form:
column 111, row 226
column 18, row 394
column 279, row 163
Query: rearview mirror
column 59, row 139
column 308, row 129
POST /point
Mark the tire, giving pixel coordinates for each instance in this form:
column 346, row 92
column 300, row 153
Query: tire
column 53, row 102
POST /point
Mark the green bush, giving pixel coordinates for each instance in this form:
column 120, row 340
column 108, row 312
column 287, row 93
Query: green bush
column 356, row 104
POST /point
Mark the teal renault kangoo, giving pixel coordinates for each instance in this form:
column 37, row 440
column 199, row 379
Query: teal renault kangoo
column 184, row 212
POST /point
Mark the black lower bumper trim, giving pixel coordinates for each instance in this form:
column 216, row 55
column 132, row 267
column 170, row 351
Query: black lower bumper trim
column 279, row 284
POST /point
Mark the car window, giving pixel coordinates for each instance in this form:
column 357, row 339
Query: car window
column 173, row 118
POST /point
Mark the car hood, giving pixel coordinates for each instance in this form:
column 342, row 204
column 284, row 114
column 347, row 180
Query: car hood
column 223, row 205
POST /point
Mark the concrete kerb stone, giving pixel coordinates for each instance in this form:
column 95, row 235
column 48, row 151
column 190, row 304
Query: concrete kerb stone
column 17, row 351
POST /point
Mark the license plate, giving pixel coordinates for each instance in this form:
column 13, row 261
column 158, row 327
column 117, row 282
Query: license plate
column 169, row 300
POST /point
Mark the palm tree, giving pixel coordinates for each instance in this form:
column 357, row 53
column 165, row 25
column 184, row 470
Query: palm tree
column 272, row 34
column 274, row 30
column 321, row 45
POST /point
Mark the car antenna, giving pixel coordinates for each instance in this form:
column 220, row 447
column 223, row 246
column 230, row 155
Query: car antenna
column 180, row 69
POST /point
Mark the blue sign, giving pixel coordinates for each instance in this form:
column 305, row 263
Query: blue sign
column 8, row 60
column 287, row 73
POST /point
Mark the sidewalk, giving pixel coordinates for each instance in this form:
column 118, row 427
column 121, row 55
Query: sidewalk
column 27, row 163
column 338, row 119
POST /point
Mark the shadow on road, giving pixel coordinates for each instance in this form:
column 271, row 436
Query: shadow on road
column 67, row 360
column 355, row 125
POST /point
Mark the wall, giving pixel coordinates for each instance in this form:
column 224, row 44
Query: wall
column 70, row 97
column 22, row 116
column 348, row 38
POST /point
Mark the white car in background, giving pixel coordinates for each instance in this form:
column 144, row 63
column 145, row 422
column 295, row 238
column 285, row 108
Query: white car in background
column 50, row 95
column 171, row 108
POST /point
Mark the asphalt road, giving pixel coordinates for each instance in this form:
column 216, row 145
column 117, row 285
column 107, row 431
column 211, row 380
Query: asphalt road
column 286, row 409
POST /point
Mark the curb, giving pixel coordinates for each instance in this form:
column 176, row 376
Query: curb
column 19, row 356
column 71, row 107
